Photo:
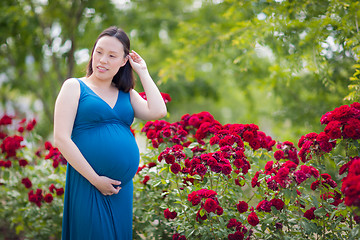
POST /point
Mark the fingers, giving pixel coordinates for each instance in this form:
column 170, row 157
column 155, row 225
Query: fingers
column 115, row 182
column 109, row 186
column 135, row 56
column 114, row 190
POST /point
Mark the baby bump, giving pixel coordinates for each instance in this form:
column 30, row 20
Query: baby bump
column 111, row 150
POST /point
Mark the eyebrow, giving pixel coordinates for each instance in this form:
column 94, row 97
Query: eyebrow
column 109, row 51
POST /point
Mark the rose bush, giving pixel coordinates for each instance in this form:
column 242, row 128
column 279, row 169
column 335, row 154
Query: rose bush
column 200, row 179
column 32, row 180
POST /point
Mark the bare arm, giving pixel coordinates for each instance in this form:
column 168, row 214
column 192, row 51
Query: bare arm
column 154, row 107
column 65, row 111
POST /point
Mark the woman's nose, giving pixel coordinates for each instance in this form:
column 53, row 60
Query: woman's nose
column 103, row 59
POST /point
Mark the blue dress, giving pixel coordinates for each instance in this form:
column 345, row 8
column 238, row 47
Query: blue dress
column 103, row 136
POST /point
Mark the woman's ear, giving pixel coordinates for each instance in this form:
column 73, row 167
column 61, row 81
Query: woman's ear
column 125, row 60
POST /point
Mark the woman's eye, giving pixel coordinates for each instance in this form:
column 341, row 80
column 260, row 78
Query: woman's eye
column 98, row 52
column 112, row 56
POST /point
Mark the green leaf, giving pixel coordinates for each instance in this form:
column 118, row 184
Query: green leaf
column 320, row 212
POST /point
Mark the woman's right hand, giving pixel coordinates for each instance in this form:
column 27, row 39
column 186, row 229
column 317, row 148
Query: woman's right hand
column 106, row 185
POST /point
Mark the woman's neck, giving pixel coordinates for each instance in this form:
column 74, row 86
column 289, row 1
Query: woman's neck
column 99, row 83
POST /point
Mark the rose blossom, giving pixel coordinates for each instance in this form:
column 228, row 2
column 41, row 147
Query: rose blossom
column 6, row 120
column 233, row 223
column 242, row 206
column 253, row 219
column 48, row 198
column 279, row 155
column 169, row 215
column 59, row 191
column 210, row 205
column 309, row 214
column 277, row 203
column 175, row 168
column 26, row 182
column 264, row 205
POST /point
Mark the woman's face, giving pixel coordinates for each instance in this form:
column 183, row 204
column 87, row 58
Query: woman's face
column 108, row 57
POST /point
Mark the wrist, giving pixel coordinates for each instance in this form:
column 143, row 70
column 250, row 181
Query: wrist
column 94, row 179
column 143, row 72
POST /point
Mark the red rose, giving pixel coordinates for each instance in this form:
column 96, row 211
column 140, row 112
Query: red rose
column 351, row 190
column 175, row 168
column 201, row 169
column 254, row 180
column 59, row 191
column 232, row 223
column 208, row 193
column 309, row 214
column 199, row 217
column 177, row 236
column 242, row 206
column 333, row 129
column 48, row 198
column 315, row 185
column 300, row 176
column 196, row 200
column 52, row 188
column 248, row 136
column 7, row 164
column 5, row 120
column 169, row 159
column 166, row 97
column 210, row 205
column 146, row 179
column 30, row 126
column 255, row 144
column 151, row 134
column 169, row 215
column 277, row 203
column 26, row 182
column 236, row 236
column 23, row 162
column 325, row 176
column 55, row 163
column 219, row 210
column 11, row 144
column 151, row 164
column 282, row 177
column 253, row 219
column 214, row 140
column 264, row 205
column 21, row 129
column 226, row 169
column 269, row 166
column 352, row 129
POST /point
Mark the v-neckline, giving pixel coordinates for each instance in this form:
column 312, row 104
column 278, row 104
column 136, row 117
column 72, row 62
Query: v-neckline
column 100, row 97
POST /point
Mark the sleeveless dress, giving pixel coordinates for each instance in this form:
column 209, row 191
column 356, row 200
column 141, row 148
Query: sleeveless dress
column 103, row 136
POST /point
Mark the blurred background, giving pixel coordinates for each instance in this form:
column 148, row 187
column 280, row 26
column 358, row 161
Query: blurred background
column 275, row 63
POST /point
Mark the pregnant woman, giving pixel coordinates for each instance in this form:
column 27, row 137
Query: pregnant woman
column 92, row 122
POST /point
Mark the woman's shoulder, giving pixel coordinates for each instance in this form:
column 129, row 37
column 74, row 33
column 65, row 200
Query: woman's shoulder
column 72, row 86
column 72, row 82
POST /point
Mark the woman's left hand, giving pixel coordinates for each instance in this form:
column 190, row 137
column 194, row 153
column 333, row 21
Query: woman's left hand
column 137, row 63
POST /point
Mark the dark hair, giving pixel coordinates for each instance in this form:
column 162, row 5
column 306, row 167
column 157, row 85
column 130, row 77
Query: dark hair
column 124, row 78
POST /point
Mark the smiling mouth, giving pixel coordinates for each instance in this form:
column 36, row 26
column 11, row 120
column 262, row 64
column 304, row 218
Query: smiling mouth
column 101, row 69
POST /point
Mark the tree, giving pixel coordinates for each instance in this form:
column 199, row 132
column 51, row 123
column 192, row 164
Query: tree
column 289, row 60
column 40, row 42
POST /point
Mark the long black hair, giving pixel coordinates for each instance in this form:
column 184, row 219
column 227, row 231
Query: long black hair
column 124, row 78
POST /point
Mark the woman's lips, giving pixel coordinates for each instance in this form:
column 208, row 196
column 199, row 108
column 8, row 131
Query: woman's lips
column 101, row 69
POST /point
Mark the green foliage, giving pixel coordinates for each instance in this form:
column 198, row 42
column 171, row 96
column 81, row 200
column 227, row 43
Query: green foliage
column 354, row 87
column 285, row 59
